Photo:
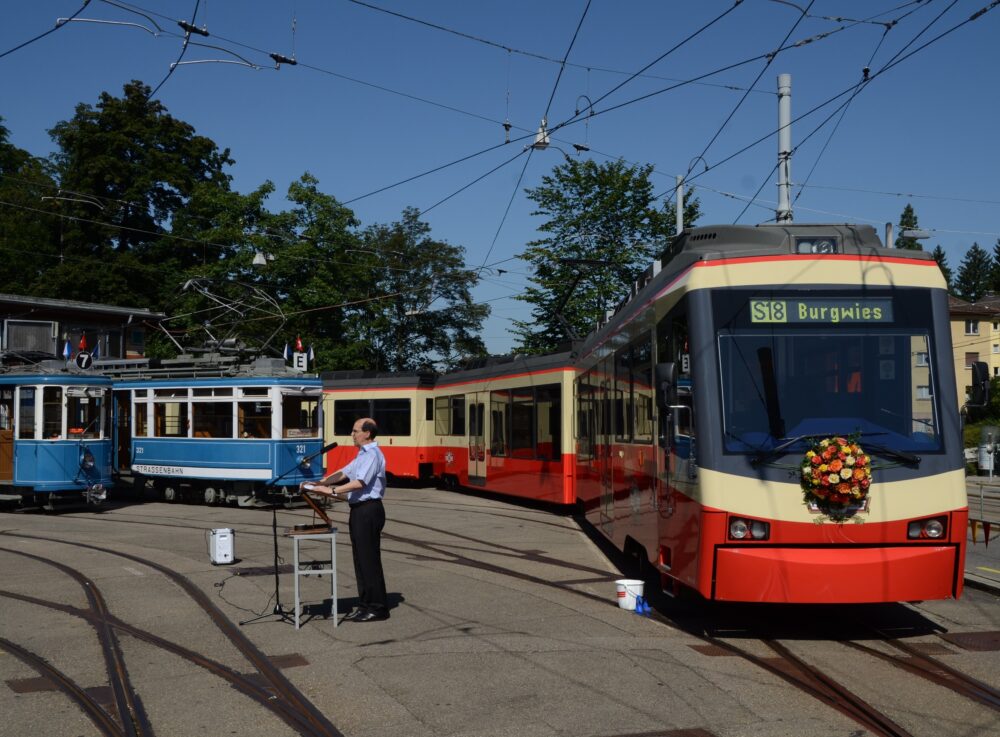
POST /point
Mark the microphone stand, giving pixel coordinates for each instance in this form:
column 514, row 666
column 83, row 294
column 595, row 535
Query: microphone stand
column 279, row 611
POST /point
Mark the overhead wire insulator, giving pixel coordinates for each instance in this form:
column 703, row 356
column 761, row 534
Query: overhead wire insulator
column 280, row 59
column 506, row 128
column 191, row 28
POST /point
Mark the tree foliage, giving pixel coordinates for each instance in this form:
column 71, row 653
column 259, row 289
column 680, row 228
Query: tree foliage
column 942, row 262
column 908, row 221
column 141, row 214
column 605, row 214
column 973, row 280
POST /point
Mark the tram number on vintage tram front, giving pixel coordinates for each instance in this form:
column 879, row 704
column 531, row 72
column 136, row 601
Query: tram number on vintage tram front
column 768, row 310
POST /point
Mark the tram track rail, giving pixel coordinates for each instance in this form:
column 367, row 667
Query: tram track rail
column 278, row 694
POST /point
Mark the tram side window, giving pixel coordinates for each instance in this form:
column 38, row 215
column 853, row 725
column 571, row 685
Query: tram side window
column 585, row 418
column 449, row 415
column 255, row 419
column 392, row 416
column 83, row 416
column 26, row 431
column 300, row 417
column 346, row 412
column 642, row 389
column 548, row 405
column 52, row 404
column 623, row 396
column 6, row 408
column 522, row 423
column 141, row 420
column 170, row 419
column 212, row 419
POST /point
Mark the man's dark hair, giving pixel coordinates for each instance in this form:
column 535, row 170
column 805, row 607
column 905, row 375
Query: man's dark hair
column 371, row 428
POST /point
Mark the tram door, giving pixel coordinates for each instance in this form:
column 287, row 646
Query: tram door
column 7, row 434
column 478, row 432
column 123, row 430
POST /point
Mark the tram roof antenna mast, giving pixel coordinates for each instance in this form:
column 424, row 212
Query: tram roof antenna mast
column 784, row 211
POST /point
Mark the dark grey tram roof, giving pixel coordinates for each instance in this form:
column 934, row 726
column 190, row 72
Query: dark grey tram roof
column 204, row 366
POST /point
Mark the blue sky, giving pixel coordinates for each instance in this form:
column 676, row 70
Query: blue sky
column 377, row 98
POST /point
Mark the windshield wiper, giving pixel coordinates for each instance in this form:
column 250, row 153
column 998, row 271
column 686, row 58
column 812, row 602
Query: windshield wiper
column 763, row 456
column 896, row 455
column 766, row 455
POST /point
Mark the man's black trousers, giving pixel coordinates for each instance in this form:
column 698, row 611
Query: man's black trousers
column 366, row 523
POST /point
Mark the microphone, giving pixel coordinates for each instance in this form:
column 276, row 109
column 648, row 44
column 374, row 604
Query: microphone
column 321, row 451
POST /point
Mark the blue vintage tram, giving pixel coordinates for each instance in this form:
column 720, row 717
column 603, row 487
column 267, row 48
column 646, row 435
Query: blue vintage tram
column 55, row 444
column 215, row 430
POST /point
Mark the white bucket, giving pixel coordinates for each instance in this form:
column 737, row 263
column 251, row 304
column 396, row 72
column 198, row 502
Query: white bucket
column 628, row 590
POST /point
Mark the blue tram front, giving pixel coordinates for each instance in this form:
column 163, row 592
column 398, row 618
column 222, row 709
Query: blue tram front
column 235, row 439
column 55, row 428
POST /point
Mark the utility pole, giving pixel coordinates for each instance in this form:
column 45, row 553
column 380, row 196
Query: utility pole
column 784, row 212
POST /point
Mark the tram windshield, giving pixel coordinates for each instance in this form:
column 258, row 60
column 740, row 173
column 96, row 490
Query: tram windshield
column 805, row 378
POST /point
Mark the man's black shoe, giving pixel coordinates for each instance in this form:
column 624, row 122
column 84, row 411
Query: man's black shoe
column 370, row 617
column 354, row 614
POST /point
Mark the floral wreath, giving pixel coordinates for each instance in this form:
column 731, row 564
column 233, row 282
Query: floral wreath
column 836, row 476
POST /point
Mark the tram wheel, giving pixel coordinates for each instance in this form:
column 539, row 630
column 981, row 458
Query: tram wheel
column 170, row 494
column 212, row 495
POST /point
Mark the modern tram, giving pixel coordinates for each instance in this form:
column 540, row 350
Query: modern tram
column 701, row 401
column 769, row 417
column 55, row 434
column 216, row 431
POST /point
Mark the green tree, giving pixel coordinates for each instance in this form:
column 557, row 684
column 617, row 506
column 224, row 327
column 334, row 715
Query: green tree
column 942, row 262
column 605, row 214
column 29, row 241
column 908, row 221
column 420, row 310
column 973, row 280
column 995, row 271
column 128, row 167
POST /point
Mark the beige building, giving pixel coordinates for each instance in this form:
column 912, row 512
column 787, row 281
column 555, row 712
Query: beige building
column 975, row 336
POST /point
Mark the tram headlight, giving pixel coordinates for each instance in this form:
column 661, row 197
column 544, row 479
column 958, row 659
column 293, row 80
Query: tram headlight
column 738, row 529
column 748, row 529
column 927, row 529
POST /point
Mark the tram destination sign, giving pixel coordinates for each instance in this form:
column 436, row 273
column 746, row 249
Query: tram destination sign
column 823, row 311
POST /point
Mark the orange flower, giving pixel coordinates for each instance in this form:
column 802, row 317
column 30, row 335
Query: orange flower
column 836, row 465
column 859, row 473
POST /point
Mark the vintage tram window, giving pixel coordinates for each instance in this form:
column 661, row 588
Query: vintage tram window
column 254, row 419
column 173, row 392
column 346, row 412
column 141, row 420
column 212, row 419
column 522, row 423
column 83, row 415
column 7, row 408
column 26, row 413
column 170, row 419
column 52, row 412
column 212, row 391
column 299, row 416
column 392, row 416
column 548, row 407
column 254, row 391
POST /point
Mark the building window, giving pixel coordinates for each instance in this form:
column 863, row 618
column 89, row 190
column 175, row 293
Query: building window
column 971, row 358
column 972, row 327
column 923, row 392
column 922, row 359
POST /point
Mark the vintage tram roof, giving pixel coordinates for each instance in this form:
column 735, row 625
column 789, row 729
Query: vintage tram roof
column 208, row 366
